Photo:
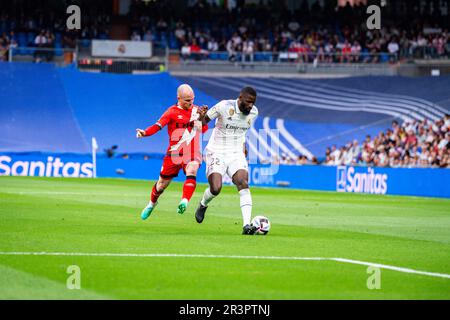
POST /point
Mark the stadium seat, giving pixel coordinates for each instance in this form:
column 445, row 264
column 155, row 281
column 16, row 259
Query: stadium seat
column 58, row 50
column 259, row 56
column 85, row 43
column 173, row 44
column 214, row 56
column 30, row 38
column 223, row 56
column 156, row 36
column 29, row 51
column 263, row 56
column 384, row 57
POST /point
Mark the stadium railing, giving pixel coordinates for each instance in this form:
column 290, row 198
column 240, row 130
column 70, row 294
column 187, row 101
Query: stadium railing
column 286, row 57
column 82, row 57
column 60, row 56
column 158, row 61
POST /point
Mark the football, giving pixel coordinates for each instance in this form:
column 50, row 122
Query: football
column 262, row 224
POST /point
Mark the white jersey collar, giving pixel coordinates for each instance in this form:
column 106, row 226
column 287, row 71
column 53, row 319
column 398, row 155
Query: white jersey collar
column 236, row 107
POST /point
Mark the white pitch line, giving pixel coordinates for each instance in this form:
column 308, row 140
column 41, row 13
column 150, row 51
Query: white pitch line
column 175, row 255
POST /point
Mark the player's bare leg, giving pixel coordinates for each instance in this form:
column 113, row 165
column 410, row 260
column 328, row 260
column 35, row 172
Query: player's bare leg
column 189, row 185
column 215, row 186
column 240, row 179
column 157, row 190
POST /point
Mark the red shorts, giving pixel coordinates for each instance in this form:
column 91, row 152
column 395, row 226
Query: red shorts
column 173, row 164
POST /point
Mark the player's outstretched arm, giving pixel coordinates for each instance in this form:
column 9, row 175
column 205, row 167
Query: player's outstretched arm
column 148, row 132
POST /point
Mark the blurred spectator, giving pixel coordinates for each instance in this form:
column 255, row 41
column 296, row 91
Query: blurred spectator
column 69, row 39
column 393, row 48
column 3, row 50
column 148, row 36
column 50, row 45
column 135, row 36
column 231, row 49
column 185, row 51
column 111, row 151
column 196, row 51
column 248, row 48
column 213, row 45
column 40, row 43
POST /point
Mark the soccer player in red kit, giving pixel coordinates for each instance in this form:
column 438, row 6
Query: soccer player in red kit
column 184, row 124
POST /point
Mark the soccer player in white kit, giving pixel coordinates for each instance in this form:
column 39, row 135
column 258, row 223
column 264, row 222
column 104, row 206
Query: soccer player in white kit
column 226, row 154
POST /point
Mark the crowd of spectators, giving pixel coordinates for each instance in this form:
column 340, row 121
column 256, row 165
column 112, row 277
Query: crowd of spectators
column 325, row 33
column 312, row 32
column 284, row 158
column 412, row 144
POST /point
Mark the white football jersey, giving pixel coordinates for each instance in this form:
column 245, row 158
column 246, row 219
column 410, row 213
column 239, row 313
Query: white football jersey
column 231, row 127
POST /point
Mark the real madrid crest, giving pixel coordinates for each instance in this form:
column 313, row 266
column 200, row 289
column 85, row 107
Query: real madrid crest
column 231, row 112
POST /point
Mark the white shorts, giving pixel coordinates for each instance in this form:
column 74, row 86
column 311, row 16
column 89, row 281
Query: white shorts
column 225, row 163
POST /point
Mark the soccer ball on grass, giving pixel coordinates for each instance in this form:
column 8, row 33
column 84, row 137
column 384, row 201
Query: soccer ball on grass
column 262, row 224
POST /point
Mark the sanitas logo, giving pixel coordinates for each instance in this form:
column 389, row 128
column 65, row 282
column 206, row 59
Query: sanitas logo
column 350, row 181
column 52, row 168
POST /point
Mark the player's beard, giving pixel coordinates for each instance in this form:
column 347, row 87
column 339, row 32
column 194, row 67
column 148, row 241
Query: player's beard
column 245, row 111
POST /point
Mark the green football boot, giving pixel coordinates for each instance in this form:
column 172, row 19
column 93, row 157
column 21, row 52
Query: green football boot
column 182, row 206
column 148, row 210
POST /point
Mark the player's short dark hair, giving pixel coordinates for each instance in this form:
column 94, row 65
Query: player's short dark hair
column 249, row 90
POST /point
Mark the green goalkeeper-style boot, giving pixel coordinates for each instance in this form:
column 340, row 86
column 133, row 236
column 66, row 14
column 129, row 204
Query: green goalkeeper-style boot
column 182, row 206
column 148, row 210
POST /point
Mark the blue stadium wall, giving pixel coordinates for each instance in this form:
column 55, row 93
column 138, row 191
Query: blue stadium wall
column 414, row 182
column 53, row 112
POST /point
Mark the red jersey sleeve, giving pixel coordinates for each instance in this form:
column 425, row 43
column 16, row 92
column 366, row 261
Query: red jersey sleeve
column 152, row 130
column 204, row 128
column 165, row 118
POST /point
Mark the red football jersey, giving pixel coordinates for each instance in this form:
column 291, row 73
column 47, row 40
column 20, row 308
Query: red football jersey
column 183, row 136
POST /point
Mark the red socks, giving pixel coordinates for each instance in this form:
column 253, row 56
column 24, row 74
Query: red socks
column 189, row 187
column 155, row 194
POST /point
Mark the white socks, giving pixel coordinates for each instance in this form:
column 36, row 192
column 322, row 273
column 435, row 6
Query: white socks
column 207, row 197
column 246, row 205
column 151, row 204
column 245, row 201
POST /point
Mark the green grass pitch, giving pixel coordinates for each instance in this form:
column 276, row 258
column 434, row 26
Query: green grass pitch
column 103, row 216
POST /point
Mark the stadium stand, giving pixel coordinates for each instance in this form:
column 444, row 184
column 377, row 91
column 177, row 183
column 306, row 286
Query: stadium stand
column 248, row 32
column 322, row 31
